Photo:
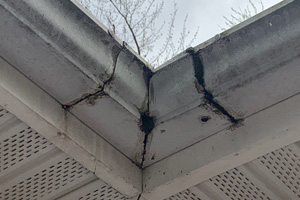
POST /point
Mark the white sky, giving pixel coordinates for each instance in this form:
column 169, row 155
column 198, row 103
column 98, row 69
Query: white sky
column 207, row 14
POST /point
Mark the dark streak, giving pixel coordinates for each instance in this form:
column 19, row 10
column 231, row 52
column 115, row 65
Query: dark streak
column 147, row 124
column 83, row 98
column 100, row 91
column 209, row 97
column 140, row 195
column 199, row 74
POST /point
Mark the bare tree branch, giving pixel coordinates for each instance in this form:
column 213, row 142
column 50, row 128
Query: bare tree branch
column 134, row 21
column 240, row 15
column 129, row 26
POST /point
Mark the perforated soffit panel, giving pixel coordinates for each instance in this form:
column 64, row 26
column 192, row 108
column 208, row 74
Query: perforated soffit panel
column 33, row 168
column 273, row 176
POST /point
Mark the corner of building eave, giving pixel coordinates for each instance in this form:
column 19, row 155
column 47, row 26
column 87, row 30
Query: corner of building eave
column 277, row 74
column 77, row 35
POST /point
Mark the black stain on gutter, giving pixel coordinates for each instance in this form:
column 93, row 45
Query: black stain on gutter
column 139, row 197
column 199, row 74
column 147, row 122
column 209, row 97
column 91, row 97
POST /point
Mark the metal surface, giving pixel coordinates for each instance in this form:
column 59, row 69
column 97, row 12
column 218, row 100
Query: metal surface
column 96, row 190
column 198, row 120
column 76, row 58
column 259, row 134
column 31, row 167
column 240, row 72
column 244, row 66
column 187, row 194
column 273, row 176
column 181, row 112
column 45, row 115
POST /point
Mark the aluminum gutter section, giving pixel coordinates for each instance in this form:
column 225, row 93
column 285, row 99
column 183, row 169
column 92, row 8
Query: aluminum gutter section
column 44, row 114
column 256, row 66
column 183, row 115
column 230, row 77
column 261, row 133
column 211, row 108
column 72, row 57
column 250, row 74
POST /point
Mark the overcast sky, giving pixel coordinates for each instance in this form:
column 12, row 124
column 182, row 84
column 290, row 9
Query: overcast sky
column 208, row 14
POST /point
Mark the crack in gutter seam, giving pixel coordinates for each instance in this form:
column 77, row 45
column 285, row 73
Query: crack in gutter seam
column 139, row 197
column 99, row 90
column 147, row 123
column 199, row 74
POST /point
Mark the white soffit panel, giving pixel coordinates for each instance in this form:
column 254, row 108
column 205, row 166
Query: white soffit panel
column 32, row 168
column 212, row 122
column 274, row 176
column 96, row 190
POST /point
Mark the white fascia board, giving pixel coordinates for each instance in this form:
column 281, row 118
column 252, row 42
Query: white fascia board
column 182, row 114
column 79, row 42
column 82, row 53
column 69, row 54
column 261, row 133
column 256, row 64
column 44, row 114
column 238, row 73
column 264, row 99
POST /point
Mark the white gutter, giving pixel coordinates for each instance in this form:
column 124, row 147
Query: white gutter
column 66, row 76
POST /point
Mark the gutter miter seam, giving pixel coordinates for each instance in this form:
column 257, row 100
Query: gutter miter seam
column 146, row 122
column 99, row 91
column 199, row 74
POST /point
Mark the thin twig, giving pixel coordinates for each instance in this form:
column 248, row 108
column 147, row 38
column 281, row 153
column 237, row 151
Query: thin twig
column 130, row 28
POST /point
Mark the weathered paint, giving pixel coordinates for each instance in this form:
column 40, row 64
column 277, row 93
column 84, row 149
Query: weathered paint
column 151, row 116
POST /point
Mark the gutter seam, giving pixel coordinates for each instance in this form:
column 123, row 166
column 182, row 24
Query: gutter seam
column 139, row 197
column 100, row 90
column 147, row 124
column 199, row 74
